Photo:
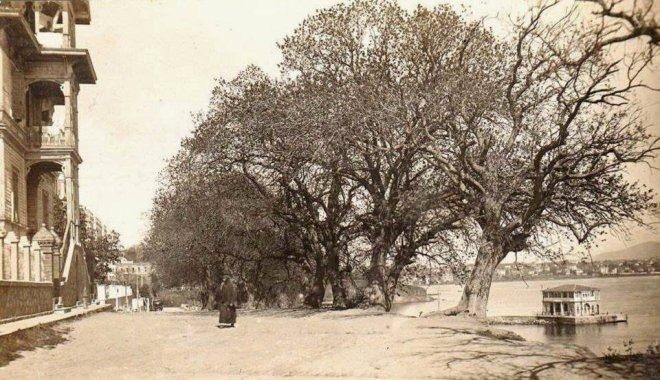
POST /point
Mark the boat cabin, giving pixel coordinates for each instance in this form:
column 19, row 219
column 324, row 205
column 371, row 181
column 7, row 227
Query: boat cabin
column 571, row 300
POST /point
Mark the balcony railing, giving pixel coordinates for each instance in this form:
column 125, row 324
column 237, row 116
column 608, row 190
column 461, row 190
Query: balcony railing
column 51, row 39
column 50, row 137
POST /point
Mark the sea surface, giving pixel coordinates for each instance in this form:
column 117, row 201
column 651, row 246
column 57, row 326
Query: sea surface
column 636, row 296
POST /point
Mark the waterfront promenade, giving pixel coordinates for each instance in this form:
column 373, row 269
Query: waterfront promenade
column 47, row 319
column 299, row 344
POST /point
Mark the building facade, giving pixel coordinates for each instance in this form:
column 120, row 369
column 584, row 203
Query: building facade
column 41, row 71
column 95, row 227
column 128, row 270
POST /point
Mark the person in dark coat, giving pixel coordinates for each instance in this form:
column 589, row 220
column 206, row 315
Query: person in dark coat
column 227, row 299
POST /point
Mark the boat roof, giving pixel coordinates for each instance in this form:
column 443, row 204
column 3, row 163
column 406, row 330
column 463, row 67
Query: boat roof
column 571, row 288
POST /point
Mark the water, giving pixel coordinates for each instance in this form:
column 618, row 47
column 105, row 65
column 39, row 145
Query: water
column 639, row 297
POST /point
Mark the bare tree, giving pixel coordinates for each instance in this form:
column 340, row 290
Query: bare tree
column 550, row 165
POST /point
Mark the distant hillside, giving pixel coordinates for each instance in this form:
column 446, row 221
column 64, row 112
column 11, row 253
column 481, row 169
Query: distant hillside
column 647, row 250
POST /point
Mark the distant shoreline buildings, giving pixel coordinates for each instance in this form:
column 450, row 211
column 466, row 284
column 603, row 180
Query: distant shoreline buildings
column 545, row 271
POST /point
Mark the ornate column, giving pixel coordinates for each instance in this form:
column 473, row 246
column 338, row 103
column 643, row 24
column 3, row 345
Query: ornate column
column 67, row 90
column 75, row 90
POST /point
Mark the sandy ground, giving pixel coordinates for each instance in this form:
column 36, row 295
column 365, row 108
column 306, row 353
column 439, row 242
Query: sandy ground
column 296, row 343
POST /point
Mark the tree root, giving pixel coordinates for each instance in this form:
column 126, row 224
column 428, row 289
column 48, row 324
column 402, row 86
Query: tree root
column 456, row 310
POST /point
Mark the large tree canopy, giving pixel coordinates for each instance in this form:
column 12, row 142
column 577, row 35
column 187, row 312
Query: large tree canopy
column 396, row 136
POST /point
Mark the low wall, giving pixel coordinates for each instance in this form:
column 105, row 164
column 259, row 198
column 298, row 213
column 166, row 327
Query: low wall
column 24, row 298
column 120, row 302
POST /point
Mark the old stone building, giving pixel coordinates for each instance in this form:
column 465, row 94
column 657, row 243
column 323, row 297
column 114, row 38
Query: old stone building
column 95, row 227
column 41, row 71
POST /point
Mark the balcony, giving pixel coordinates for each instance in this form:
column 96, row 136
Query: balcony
column 49, row 116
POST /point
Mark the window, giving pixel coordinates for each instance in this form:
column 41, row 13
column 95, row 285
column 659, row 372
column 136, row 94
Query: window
column 14, row 196
column 45, row 203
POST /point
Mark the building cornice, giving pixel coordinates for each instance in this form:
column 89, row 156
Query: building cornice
column 79, row 58
column 53, row 154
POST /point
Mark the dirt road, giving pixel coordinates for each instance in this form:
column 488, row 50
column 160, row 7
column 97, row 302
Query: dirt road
column 347, row 344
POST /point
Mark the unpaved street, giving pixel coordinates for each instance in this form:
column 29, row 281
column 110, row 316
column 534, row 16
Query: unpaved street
column 293, row 343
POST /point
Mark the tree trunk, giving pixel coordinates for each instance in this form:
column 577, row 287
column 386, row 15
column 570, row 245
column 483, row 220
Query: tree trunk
column 208, row 292
column 338, row 291
column 376, row 278
column 403, row 258
column 353, row 295
column 477, row 288
column 315, row 296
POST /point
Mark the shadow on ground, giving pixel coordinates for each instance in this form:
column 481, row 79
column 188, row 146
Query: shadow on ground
column 528, row 360
column 27, row 340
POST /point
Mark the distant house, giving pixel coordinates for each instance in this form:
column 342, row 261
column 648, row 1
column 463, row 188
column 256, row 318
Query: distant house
column 127, row 269
column 571, row 300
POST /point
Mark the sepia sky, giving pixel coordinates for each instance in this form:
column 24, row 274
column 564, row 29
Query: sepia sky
column 156, row 61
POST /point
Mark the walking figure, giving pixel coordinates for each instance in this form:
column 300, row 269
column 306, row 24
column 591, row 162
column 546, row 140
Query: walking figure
column 227, row 298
